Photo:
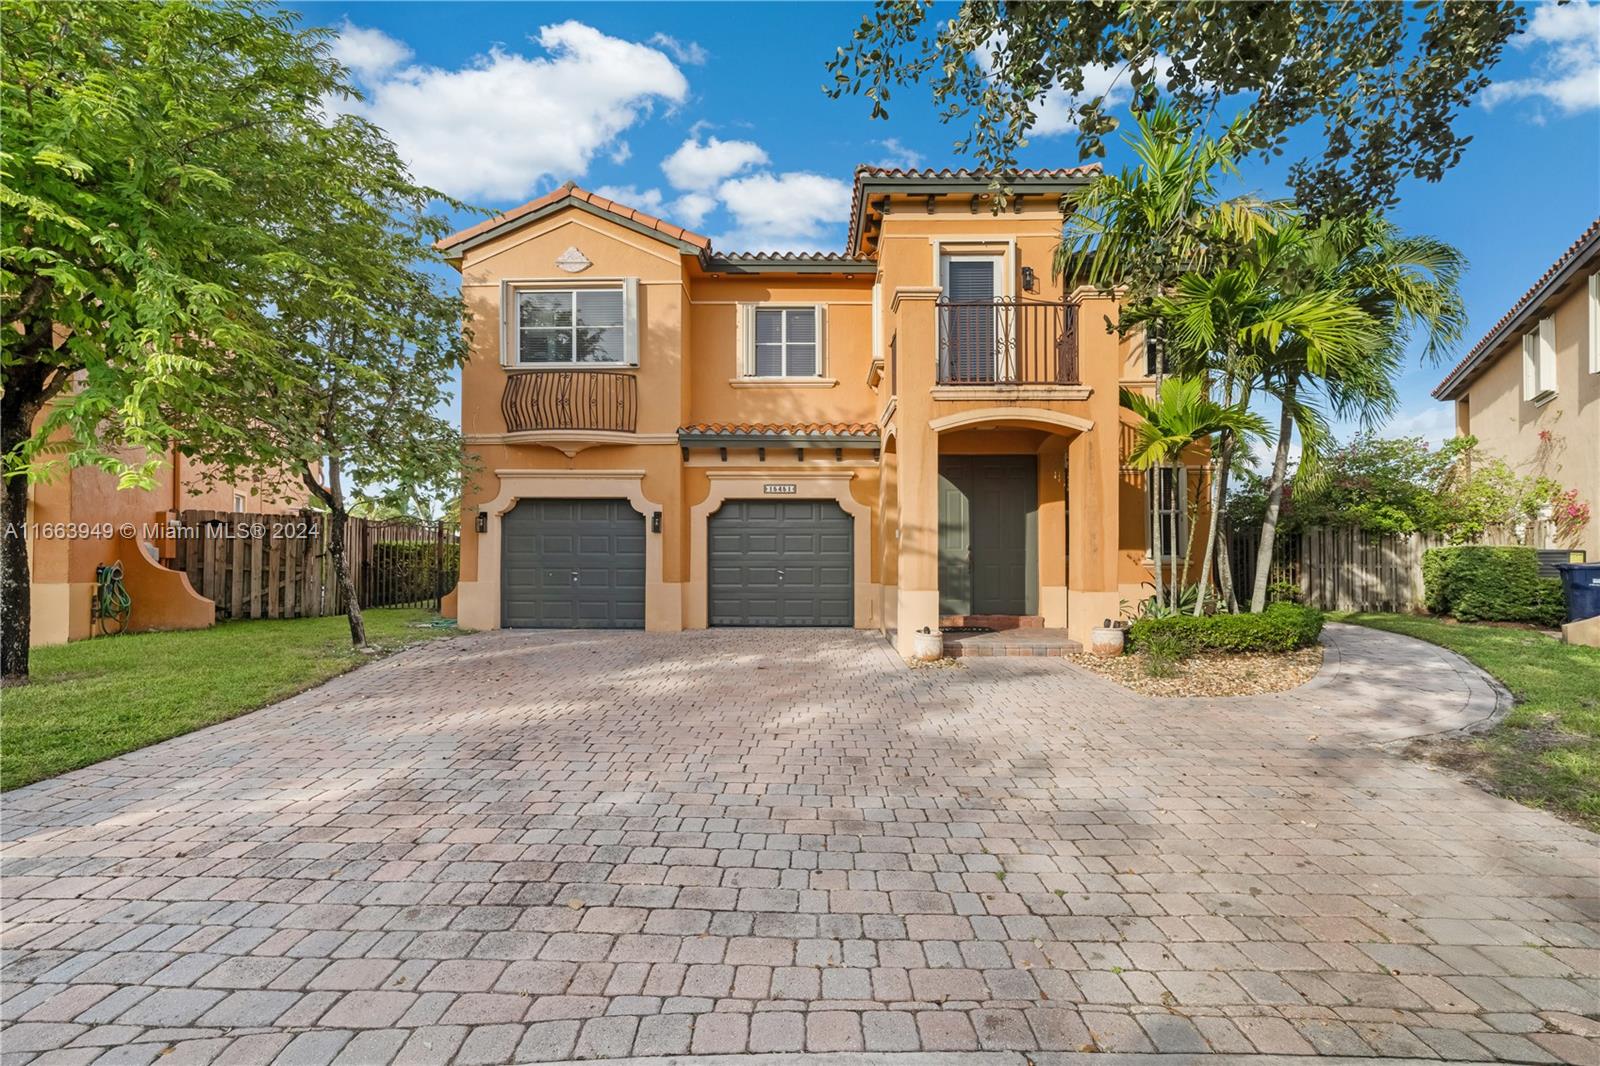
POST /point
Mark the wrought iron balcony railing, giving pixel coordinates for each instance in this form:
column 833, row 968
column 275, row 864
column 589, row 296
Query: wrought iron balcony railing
column 571, row 399
column 1007, row 342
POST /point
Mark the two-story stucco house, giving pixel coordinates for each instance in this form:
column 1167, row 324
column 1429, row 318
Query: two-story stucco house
column 923, row 428
column 1530, row 389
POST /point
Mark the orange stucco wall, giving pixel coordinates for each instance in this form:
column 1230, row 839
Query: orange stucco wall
column 81, row 520
column 689, row 372
column 1558, row 437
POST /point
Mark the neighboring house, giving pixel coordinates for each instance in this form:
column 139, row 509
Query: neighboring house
column 1530, row 389
column 923, row 428
column 81, row 520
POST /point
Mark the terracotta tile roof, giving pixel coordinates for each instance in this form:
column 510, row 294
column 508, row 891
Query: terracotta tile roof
column 666, row 229
column 866, row 173
column 782, row 429
column 788, row 257
column 1530, row 300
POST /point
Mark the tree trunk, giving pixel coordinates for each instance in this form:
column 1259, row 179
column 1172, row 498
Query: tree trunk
column 338, row 523
column 1154, row 533
column 1174, row 590
column 16, row 583
column 1269, row 521
column 332, row 494
column 1219, row 479
column 1225, row 567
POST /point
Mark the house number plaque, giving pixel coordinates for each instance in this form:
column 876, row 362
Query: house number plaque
column 778, row 490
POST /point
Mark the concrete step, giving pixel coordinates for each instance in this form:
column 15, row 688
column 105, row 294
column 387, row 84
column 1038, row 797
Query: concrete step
column 994, row 621
column 1029, row 641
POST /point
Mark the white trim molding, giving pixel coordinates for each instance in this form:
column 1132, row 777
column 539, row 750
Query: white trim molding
column 1039, row 416
column 571, row 441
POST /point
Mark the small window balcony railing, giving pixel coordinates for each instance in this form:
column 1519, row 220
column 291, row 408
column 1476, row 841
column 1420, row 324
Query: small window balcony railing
column 604, row 400
column 1007, row 342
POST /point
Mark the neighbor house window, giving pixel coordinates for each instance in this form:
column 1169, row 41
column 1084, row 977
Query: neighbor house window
column 1539, row 361
column 1151, row 355
column 785, row 342
column 1165, row 489
column 591, row 326
column 238, row 501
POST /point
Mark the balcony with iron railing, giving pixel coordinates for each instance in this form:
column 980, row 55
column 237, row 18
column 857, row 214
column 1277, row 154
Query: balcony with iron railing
column 1006, row 342
column 605, row 401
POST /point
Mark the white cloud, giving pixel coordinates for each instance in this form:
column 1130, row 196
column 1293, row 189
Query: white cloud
column 688, row 53
column 646, row 200
column 1054, row 112
column 505, row 124
column 691, row 208
column 1434, row 422
column 899, row 156
column 620, row 152
column 1567, row 73
column 700, row 167
column 794, row 211
column 370, row 53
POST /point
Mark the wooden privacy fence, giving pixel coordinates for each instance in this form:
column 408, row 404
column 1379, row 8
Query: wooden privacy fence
column 278, row 565
column 1346, row 569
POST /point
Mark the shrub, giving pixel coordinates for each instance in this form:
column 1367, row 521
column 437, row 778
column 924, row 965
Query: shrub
column 1281, row 627
column 1162, row 651
column 403, row 571
column 1478, row 583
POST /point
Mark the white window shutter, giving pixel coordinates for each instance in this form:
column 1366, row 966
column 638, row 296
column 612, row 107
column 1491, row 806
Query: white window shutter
column 744, row 344
column 508, row 315
column 822, row 340
column 1530, row 365
column 630, row 313
column 1594, row 323
column 1547, row 354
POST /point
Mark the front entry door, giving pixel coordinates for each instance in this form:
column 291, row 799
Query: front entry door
column 988, row 534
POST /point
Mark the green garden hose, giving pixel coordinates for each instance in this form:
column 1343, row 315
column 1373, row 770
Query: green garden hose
column 112, row 604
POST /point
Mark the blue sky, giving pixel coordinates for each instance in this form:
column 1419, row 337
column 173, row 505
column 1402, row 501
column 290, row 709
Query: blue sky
column 713, row 116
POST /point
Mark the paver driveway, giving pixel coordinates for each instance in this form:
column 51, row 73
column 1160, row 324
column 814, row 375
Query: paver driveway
column 520, row 846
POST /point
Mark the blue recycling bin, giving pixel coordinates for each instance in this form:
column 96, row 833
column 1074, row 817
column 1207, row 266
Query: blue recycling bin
column 1582, row 582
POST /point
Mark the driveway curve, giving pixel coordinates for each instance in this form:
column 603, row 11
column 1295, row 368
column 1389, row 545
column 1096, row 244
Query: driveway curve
column 526, row 846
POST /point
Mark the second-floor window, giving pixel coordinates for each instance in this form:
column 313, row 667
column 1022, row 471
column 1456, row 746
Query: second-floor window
column 572, row 327
column 1539, row 361
column 785, row 343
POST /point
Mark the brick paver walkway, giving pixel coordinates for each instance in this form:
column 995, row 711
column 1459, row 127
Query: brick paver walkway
column 523, row 846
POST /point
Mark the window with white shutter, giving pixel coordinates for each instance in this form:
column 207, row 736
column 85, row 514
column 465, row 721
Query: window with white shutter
column 589, row 326
column 785, row 342
column 1539, row 361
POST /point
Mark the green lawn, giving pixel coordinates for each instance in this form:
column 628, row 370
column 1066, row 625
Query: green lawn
column 1547, row 751
column 97, row 698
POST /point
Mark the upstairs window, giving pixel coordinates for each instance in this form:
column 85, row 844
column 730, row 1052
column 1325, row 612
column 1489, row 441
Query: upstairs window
column 591, row 326
column 1165, row 492
column 1539, row 362
column 785, row 343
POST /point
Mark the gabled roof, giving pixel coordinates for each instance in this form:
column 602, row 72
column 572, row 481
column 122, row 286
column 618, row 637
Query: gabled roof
column 1579, row 254
column 889, row 180
column 570, row 195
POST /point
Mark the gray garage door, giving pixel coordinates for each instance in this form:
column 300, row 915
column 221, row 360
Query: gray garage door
column 572, row 564
column 781, row 563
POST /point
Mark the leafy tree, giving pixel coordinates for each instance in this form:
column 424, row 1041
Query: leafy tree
column 357, row 389
column 153, row 155
column 1181, row 415
column 1386, row 82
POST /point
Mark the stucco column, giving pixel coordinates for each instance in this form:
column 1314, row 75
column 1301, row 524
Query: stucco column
column 917, row 344
column 1052, row 494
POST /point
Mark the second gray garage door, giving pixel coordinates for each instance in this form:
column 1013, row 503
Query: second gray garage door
column 782, row 563
column 572, row 564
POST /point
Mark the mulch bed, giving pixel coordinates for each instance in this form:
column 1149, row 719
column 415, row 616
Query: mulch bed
column 1212, row 673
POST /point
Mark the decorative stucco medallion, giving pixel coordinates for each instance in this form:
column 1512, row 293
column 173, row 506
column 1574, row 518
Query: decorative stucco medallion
column 572, row 261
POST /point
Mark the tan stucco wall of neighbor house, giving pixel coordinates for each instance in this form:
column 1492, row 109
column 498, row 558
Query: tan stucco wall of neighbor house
column 1558, row 437
column 879, row 359
column 81, row 519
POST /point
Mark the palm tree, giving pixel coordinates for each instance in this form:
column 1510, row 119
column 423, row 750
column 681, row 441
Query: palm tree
column 1183, row 414
column 1399, row 284
column 1142, row 229
column 1230, row 323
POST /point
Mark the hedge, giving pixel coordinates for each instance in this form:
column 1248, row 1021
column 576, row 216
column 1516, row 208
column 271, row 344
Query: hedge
column 1281, row 627
column 1478, row 583
column 402, row 571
